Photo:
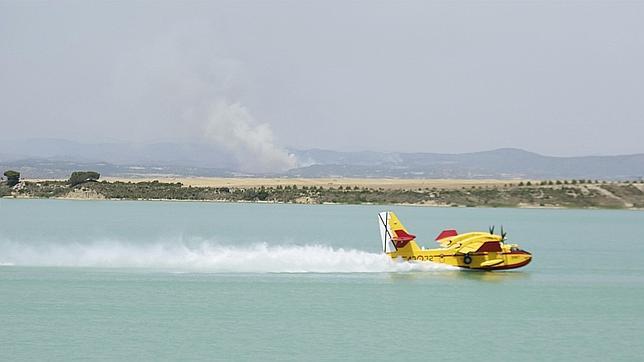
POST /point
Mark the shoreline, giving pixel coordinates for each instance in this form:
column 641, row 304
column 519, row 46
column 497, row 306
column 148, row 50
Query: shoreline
column 259, row 202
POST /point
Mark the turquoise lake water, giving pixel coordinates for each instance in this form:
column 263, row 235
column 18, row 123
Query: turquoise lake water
column 109, row 280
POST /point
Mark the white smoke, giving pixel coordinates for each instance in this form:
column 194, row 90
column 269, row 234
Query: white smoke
column 174, row 80
column 233, row 127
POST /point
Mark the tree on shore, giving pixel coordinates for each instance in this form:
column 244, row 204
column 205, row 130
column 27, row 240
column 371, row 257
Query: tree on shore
column 79, row 177
column 13, row 177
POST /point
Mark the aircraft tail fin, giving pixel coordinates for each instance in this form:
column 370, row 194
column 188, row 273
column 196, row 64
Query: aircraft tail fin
column 393, row 234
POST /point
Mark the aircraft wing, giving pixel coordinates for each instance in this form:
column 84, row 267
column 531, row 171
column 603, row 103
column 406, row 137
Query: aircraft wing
column 450, row 237
column 470, row 247
column 481, row 246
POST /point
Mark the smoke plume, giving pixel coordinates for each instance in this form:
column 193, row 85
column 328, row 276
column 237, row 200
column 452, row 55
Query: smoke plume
column 174, row 79
column 233, row 127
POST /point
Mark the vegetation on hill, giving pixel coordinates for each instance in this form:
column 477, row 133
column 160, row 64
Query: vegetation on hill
column 568, row 193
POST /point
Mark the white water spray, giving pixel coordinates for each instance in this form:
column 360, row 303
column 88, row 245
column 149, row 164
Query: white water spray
column 207, row 257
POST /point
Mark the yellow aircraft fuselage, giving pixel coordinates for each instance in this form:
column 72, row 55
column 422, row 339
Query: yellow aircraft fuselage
column 509, row 257
column 474, row 250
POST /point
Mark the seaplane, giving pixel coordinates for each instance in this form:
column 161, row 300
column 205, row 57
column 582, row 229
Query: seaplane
column 473, row 250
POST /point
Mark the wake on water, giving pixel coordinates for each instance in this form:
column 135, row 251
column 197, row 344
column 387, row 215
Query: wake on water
column 207, row 257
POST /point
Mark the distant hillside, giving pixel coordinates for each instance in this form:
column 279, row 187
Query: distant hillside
column 119, row 153
column 501, row 163
column 58, row 158
column 51, row 169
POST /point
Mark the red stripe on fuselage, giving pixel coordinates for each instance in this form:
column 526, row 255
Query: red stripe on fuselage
column 511, row 266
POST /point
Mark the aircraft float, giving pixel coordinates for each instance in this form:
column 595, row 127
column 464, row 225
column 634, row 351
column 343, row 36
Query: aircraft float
column 474, row 250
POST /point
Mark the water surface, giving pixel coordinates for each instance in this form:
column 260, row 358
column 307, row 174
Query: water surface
column 208, row 281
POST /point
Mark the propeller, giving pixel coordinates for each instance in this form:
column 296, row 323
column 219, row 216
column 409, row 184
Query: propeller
column 503, row 234
column 491, row 229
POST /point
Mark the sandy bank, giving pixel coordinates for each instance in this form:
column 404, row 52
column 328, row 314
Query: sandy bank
column 387, row 184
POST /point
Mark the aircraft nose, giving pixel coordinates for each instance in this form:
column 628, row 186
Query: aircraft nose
column 520, row 258
column 526, row 256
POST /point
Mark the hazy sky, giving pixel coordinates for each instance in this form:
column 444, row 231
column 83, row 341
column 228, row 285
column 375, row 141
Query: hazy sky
column 559, row 78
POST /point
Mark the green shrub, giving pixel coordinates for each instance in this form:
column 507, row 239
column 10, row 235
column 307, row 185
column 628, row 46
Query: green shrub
column 13, row 177
column 80, row 177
